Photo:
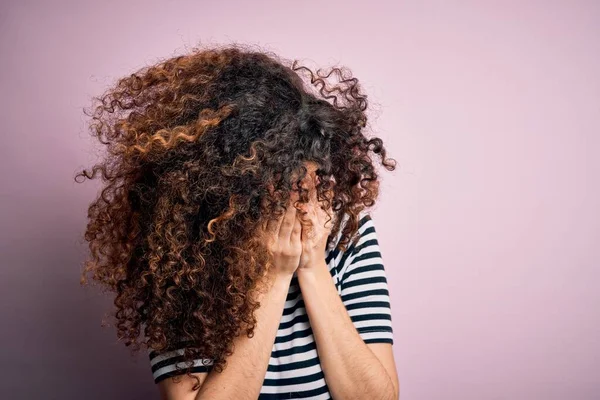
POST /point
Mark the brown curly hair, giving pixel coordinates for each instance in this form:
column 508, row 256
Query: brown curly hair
column 192, row 145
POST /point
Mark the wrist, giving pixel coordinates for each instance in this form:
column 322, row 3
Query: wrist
column 281, row 277
column 274, row 278
column 313, row 267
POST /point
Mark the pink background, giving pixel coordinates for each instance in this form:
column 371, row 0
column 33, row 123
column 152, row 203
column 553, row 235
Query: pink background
column 489, row 228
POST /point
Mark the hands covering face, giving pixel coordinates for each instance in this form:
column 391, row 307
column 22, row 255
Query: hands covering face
column 316, row 226
column 308, row 234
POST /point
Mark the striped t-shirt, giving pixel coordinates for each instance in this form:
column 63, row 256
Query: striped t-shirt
column 294, row 369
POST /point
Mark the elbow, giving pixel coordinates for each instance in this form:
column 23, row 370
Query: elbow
column 396, row 385
column 396, row 390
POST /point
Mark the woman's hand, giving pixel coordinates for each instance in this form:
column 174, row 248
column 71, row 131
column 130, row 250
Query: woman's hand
column 283, row 239
column 316, row 228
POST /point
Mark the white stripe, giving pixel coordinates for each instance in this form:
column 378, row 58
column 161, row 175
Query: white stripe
column 379, row 297
column 376, row 335
column 362, row 288
column 373, row 323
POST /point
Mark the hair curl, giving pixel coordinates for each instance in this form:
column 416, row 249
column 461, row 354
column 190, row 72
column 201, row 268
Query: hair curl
column 192, row 143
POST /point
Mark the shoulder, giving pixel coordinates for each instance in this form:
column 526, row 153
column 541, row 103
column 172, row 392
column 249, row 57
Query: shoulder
column 363, row 237
column 365, row 232
column 364, row 221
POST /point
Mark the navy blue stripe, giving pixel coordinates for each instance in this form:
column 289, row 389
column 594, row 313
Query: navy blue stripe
column 378, row 292
column 379, row 340
column 369, row 329
column 371, row 317
column 368, row 304
column 364, row 281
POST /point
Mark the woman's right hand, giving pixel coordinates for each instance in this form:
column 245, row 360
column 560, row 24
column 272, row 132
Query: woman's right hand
column 283, row 238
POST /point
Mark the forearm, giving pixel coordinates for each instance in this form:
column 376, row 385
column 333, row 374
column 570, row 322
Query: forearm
column 246, row 367
column 351, row 369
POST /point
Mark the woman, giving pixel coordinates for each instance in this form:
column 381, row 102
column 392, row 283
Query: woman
column 233, row 229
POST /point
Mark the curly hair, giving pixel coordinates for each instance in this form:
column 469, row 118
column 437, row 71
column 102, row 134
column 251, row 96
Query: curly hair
column 192, row 145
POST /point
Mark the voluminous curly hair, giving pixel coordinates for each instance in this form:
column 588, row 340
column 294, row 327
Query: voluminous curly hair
column 192, row 145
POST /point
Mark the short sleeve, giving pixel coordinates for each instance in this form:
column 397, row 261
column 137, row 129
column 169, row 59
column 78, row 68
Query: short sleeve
column 164, row 364
column 364, row 288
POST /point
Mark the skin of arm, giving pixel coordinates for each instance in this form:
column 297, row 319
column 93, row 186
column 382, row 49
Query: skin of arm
column 247, row 366
column 352, row 368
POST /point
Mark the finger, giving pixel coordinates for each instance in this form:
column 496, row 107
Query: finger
column 308, row 225
column 307, row 231
column 287, row 223
column 313, row 207
column 271, row 225
column 278, row 223
column 296, row 231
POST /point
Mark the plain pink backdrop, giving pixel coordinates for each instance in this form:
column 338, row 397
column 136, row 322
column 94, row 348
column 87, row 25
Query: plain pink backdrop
column 489, row 228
